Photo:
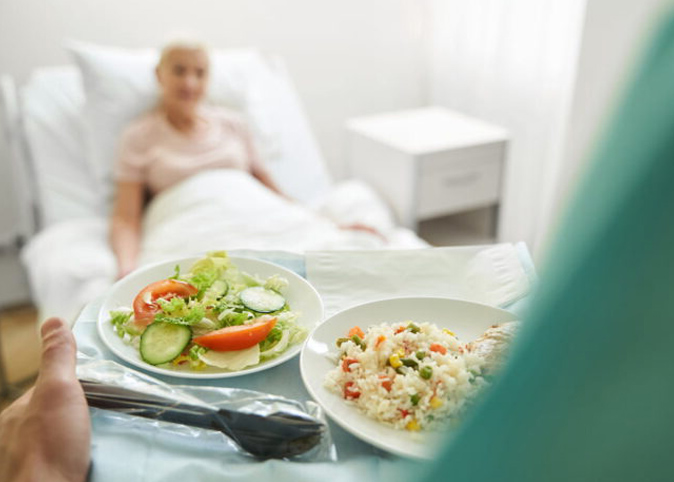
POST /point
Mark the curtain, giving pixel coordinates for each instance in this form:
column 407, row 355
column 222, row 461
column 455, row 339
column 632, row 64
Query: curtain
column 512, row 63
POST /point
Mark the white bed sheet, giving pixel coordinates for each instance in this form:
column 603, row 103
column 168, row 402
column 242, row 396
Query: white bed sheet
column 71, row 263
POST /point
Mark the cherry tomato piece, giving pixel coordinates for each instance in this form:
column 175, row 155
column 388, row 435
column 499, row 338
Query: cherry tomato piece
column 237, row 337
column 145, row 305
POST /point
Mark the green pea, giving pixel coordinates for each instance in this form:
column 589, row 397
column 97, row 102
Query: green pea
column 421, row 354
column 358, row 341
column 413, row 328
column 415, row 399
column 426, row 372
column 409, row 362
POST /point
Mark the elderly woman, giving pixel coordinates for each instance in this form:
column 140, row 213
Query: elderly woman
column 175, row 140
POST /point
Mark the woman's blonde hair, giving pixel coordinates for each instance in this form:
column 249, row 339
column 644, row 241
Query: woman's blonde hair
column 182, row 43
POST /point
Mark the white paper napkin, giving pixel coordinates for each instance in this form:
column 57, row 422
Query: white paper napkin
column 492, row 275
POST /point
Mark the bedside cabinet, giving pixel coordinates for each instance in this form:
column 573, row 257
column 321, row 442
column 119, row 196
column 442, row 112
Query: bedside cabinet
column 428, row 162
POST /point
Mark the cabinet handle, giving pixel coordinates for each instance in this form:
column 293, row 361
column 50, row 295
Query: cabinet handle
column 468, row 178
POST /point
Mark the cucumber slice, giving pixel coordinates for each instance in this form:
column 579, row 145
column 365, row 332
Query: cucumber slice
column 262, row 300
column 162, row 342
column 218, row 289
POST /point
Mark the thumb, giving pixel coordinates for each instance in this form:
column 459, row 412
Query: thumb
column 58, row 351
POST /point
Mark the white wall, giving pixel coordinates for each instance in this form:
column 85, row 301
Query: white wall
column 615, row 33
column 511, row 63
column 547, row 70
column 347, row 57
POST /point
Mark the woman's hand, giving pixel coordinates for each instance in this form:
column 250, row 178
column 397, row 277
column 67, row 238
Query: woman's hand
column 45, row 434
column 124, row 269
column 365, row 228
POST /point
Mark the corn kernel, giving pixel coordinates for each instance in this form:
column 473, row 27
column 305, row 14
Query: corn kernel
column 394, row 360
column 449, row 332
column 436, row 402
column 413, row 425
column 179, row 360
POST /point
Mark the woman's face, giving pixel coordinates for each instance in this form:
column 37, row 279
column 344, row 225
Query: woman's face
column 183, row 78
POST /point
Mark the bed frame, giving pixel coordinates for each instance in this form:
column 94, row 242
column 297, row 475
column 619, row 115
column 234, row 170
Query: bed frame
column 17, row 221
column 17, row 209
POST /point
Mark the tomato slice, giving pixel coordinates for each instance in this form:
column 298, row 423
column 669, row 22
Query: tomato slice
column 237, row 337
column 145, row 305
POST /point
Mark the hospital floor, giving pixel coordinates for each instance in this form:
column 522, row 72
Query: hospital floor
column 19, row 343
column 19, row 348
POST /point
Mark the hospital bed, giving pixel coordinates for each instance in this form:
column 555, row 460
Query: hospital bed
column 61, row 127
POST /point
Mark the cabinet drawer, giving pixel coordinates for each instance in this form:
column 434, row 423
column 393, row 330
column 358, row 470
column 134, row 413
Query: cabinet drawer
column 455, row 185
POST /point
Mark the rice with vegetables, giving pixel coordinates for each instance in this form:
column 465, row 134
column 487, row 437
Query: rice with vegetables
column 408, row 375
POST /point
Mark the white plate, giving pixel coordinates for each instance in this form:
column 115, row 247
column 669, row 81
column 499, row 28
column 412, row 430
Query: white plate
column 301, row 296
column 468, row 320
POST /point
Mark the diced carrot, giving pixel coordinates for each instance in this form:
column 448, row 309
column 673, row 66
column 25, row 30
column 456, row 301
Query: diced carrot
column 400, row 329
column 380, row 340
column 386, row 382
column 438, row 348
column 356, row 331
column 347, row 362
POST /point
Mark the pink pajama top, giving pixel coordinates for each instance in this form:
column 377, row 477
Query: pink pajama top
column 154, row 153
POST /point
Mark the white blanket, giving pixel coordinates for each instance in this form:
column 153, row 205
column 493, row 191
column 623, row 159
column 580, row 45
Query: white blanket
column 229, row 209
column 71, row 263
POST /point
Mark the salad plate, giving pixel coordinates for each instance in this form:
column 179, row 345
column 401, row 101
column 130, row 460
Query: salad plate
column 301, row 297
column 318, row 357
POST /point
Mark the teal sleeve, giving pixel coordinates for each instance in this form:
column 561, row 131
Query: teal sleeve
column 588, row 394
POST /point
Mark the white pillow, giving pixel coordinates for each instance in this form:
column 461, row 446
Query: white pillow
column 52, row 105
column 120, row 84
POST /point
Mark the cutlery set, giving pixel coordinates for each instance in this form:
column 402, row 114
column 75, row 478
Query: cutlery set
column 279, row 435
